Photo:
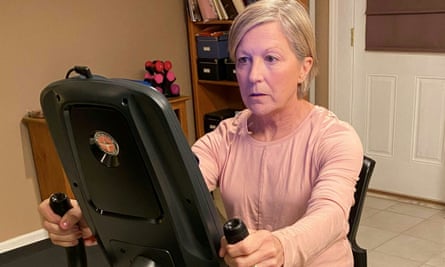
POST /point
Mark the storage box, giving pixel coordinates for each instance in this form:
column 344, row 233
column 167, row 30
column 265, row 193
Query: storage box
column 211, row 69
column 212, row 46
column 212, row 119
column 230, row 69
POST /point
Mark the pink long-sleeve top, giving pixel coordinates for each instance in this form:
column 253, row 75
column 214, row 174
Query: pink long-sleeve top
column 299, row 187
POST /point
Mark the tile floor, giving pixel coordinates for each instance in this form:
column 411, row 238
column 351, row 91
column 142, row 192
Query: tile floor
column 398, row 232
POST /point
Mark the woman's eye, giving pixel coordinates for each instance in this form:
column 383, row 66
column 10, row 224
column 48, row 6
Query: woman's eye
column 270, row 58
column 242, row 60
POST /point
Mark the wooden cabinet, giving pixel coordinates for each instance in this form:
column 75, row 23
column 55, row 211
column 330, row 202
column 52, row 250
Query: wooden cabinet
column 209, row 96
column 51, row 177
column 49, row 171
column 179, row 107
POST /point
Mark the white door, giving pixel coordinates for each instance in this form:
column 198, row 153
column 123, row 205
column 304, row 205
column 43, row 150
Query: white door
column 395, row 101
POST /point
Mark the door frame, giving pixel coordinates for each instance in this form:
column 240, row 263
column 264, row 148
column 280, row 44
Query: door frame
column 341, row 57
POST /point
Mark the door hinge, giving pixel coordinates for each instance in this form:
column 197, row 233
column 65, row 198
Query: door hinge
column 352, row 37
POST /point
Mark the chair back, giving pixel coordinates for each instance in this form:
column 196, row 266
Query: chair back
column 356, row 210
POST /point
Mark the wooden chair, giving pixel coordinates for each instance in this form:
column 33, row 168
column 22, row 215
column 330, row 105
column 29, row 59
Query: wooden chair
column 360, row 256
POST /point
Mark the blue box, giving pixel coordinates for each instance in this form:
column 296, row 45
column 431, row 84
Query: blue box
column 212, row 47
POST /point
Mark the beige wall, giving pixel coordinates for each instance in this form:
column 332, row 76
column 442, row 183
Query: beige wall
column 40, row 41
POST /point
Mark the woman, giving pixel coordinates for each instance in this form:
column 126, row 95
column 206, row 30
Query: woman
column 286, row 167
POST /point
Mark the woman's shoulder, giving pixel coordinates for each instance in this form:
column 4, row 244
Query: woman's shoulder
column 236, row 124
column 327, row 127
column 227, row 129
column 333, row 137
column 324, row 118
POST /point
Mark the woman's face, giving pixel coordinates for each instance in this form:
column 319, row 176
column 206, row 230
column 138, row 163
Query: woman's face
column 268, row 71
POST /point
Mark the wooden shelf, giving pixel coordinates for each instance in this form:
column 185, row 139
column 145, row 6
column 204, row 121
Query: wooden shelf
column 222, row 83
column 209, row 96
column 214, row 22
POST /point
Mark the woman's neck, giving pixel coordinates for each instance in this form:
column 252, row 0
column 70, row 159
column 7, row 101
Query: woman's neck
column 280, row 124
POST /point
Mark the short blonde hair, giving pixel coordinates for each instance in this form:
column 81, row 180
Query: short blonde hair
column 295, row 23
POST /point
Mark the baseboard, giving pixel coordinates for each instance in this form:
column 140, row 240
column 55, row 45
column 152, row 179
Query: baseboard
column 406, row 198
column 23, row 240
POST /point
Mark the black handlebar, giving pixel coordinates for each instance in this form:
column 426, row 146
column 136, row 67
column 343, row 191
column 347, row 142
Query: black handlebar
column 235, row 230
column 76, row 255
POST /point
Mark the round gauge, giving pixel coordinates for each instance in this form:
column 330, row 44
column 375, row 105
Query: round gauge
column 105, row 148
column 106, row 143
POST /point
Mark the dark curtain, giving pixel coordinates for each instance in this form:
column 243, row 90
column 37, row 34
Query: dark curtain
column 405, row 25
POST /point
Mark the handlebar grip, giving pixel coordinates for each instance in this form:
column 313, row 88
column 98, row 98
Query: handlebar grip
column 76, row 255
column 235, row 230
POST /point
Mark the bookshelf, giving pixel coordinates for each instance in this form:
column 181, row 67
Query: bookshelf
column 209, row 96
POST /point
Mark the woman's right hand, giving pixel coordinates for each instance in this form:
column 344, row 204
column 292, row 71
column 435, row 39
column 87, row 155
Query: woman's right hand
column 65, row 231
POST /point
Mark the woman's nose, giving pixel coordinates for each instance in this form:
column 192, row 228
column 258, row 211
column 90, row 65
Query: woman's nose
column 256, row 71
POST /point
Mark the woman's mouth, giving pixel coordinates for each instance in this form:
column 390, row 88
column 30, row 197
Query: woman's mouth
column 256, row 94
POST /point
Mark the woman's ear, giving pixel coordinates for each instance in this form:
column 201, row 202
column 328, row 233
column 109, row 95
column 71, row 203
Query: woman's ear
column 306, row 66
